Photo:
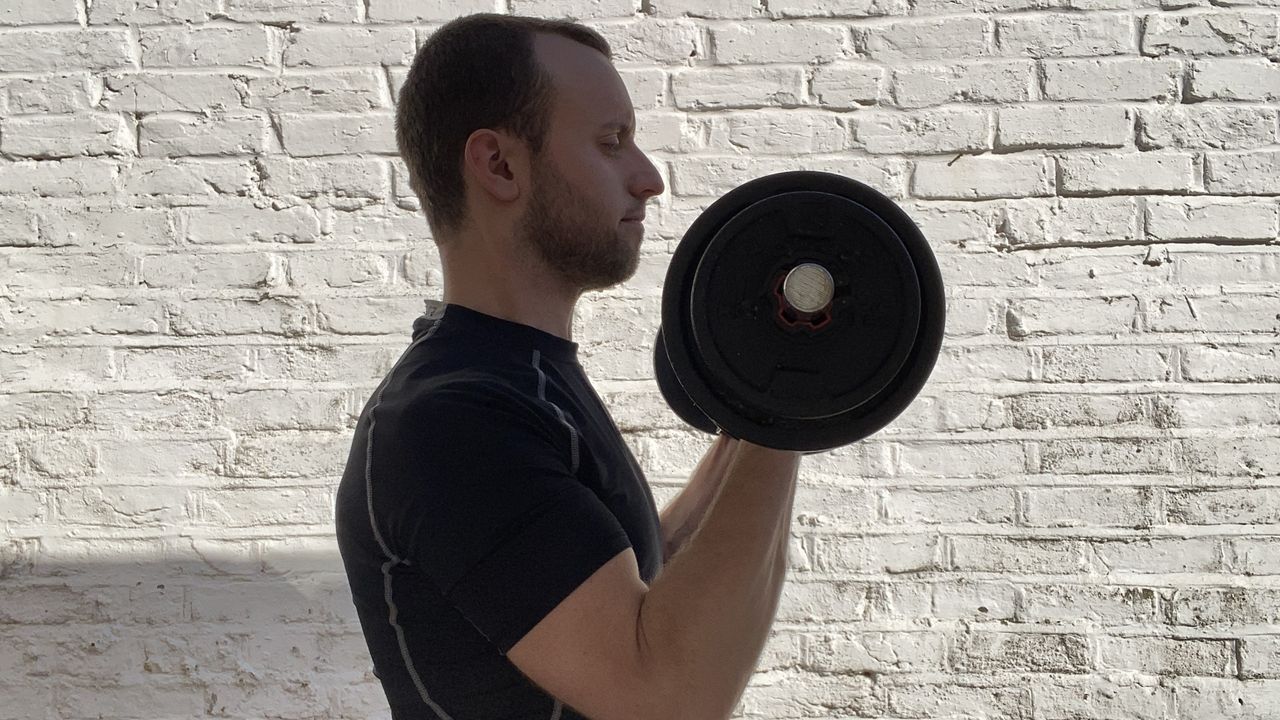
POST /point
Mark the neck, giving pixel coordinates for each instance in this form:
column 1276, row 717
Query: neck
column 494, row 279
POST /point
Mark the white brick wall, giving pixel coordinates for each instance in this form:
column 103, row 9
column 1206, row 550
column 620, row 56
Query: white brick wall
column 209, row 255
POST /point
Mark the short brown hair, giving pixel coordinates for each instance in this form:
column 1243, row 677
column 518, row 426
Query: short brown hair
column 478, row 71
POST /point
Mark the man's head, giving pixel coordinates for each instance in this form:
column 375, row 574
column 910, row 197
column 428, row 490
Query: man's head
column 503, row 123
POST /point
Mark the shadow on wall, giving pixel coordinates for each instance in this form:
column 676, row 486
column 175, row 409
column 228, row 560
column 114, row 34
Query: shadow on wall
column 190, row 629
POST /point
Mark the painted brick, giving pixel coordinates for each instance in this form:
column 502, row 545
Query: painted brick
column 1062, row 697
column 1217, row 607
column 1017, row 555
column 969, row 177
column 1158, row 555
column 235, row 225
column 844, row 86
column 155, row 412
column 913, row 698
column 1062, row 126
column 996, row 652
column 1207, row 219
column 199, row 135
column 223, row 270
column 319, row 11
column 415, row 11
column 155, row 459
column 1065, row 35
column 185, row 180
column 58, row 93
column 316, row 134
column 1127, row 267
column 320, row 46
column 34, row 12
column 1232, row 456
column 349, row 90
column 1072, row 221
column 791, row 42
column 1228, row 79
column 1251, row 173
column 1247, row 266
column 836, row 8
column 82, row 316
column 1205, row 126
column 736, row 87
column 1047, row 410
column 922, row 85
column 974, row 601
column 1088, row 507
column 73, row 177
column 1211, row 33
column 980, row 505
column 780, row 132
column 1094, row 79
column 339, row 176
column 149, row 92
column 926, row 132
column 151, row 12
column 1169, row 656
column 1106, row 364
column 194, row 46
column 102, row 224
column 1032, row 318
column 30, row 271
column 49, row 368
column 40, row 51
column 271, row 316
column 1223, row 313
column 1236, row 364
column 668, row 42
column 1105, row 174
column 1106, row 605
column 1228, row 699
column 880, row 652
column 924, row 39
column 1220, row 411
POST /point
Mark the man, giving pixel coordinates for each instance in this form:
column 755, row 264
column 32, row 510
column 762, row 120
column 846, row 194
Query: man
column 497, row 533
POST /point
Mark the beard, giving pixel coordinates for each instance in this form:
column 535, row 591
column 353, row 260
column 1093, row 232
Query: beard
column 578, row 247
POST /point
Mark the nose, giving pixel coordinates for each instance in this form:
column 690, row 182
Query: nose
column 647, row 182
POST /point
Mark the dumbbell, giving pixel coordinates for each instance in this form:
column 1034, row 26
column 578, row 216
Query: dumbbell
column 802, row 311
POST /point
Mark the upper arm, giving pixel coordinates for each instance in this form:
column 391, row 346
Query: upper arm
column 489, row 507
column 587, row 651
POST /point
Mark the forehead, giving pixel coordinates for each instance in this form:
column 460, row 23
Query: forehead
column 589, row 91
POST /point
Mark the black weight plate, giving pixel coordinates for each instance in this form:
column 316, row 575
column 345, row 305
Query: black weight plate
column 770, row 369
column 741, row 420
column 674, row 394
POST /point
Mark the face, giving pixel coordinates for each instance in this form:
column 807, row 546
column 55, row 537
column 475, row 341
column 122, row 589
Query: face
column 591, row 175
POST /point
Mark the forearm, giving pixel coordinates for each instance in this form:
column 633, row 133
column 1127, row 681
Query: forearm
column 685, row 512
column 706, row 619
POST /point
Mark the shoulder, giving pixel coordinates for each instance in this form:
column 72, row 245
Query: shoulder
column 478, row 399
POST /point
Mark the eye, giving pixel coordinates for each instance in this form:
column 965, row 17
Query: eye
column 613, row 146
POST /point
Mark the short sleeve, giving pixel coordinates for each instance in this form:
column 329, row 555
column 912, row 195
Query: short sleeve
column 486, row 503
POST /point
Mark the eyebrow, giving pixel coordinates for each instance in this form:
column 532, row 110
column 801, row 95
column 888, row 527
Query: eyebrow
column 616, row 124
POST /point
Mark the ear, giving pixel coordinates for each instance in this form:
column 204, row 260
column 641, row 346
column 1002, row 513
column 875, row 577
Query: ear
column 495, row 164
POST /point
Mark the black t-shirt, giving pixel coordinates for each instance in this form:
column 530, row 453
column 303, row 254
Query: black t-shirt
column 486, row 481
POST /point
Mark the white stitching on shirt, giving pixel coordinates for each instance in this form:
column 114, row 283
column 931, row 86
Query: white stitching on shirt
column 392, row 560
column 542, row 395
column 573, row 445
